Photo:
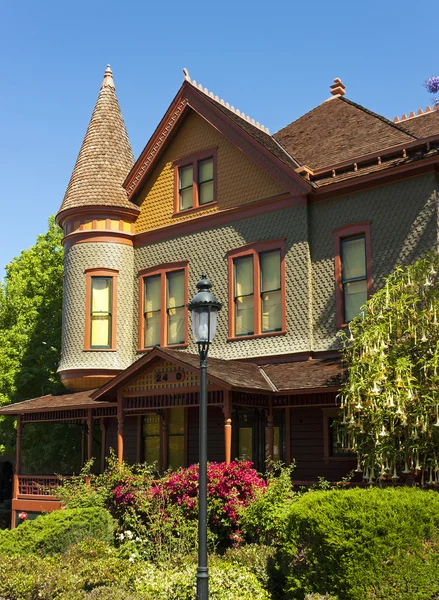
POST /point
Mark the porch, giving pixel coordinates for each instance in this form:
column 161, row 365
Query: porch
column 149, row 413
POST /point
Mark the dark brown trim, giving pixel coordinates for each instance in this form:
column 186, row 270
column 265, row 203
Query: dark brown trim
column 201, row 222
column 112, row 236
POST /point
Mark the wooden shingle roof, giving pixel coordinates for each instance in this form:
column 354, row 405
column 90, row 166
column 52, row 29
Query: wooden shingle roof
column 105, row 157
column 339, row 130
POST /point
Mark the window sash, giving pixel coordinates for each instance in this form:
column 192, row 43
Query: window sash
column 175, row 307
column 353, row 275
column 186, row 184
column 151, row 438
column 100, row 312
column 270, row 291
column 244, row 295
column 205, row 181
column 176, row 437
column 152, row 310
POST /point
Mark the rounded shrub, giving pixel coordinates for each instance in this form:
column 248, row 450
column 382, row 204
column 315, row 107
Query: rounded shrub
column 363, row 544
column 55, row 532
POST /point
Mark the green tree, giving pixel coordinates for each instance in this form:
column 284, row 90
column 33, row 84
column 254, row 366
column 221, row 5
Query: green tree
column 30, row 344
column 390, row 399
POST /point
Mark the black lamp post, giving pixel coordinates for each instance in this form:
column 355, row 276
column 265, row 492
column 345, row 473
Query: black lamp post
column 204, row 307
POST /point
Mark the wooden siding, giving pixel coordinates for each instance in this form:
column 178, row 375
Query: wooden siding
column 307, row 448
column 215, row 435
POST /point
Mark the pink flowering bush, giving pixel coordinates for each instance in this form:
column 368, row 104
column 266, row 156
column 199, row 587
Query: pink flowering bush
column 174, row 499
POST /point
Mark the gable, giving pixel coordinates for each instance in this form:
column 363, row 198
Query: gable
column 239, row 179
column 163, row 377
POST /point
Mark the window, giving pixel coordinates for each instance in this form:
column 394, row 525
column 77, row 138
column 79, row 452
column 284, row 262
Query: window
column 176, row 438
column 151, row 438
column 163, row 315
column 333, row 439
column 257, row 290
column 353, row 278
column 100, row 317
column 195, row 181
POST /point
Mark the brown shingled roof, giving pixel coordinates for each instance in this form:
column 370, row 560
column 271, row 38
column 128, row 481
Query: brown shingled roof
column 51, row 402
column 303, row 375
column 105, row 157
column 422, row 126
column 338, row 130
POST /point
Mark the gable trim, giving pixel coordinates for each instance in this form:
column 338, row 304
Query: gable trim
column 190, row 97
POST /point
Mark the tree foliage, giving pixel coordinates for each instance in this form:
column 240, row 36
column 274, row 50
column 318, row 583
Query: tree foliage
column 390, row 400
column 30, row 342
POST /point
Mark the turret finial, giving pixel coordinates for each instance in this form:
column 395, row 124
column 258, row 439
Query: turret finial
column 108, row 78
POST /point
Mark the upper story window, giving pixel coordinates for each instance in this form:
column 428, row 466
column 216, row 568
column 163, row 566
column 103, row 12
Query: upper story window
column 353, row 275
column 163, row 316
column 100, row 318
column 195, row 181
column 257, row 290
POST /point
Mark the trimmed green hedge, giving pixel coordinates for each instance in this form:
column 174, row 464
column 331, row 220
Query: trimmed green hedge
column 55, row 532
column 362, row 544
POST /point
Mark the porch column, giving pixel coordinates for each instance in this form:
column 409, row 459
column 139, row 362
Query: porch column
column 227, row 410
column 89, row 435
column 119, row 429
column 270, row 432
column 288, row 436
column 17, row 456
column 103, row 428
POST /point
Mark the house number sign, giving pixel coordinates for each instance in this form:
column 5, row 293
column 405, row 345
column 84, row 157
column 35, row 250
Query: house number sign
column 170, row 377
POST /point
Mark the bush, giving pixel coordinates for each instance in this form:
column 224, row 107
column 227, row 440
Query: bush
column 262, row 520
column 92, row 570
column 258, row 559
column 55, row 532
column 363, row 544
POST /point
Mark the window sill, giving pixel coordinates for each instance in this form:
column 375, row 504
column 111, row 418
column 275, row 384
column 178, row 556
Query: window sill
column 99, row 349
column 194, row 209
column 254, row 336
column 178, row 346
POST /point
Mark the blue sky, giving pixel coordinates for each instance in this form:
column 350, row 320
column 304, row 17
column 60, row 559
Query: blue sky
column 273, row 60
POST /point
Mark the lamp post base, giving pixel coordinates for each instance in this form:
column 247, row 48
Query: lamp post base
column 202, row 583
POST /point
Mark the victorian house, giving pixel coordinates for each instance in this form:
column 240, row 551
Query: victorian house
column 295, row 230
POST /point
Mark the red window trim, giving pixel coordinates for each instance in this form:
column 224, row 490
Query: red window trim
column 193, row 160
column 253, row 250
column 162, row 270
column 100, row 272
column 341, row 233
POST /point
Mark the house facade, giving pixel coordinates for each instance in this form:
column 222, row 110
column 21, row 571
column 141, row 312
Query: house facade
column 295, row 231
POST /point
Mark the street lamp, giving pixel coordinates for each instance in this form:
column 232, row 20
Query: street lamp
column 204, row 307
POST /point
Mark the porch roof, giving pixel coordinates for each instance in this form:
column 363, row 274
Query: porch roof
column 54, row 402
column 292, row 377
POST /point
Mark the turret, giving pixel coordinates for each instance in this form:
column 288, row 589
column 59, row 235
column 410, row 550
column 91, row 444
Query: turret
column 98, row 223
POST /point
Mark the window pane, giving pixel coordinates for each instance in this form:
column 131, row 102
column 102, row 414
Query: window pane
column 276, row 442
column 205, row 170
column 353, row 259
column 271, row 312
column 152, row 329
column 355, row 295
column 176, row 421
column 205, row 192
column 175, row 451
column 186, row 199
column 100, row 331
column 175, row 289
column 243, row 276
column 270, row 270
column 151, row 432
column 244, row 318
column 152, row 293
column 186, row 176
column 100, row 295
column 176, row 325
column 245, row 443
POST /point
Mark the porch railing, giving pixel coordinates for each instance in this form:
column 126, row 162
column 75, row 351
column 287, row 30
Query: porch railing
column 26, row 486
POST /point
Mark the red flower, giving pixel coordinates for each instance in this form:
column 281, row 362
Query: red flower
column 23, row 515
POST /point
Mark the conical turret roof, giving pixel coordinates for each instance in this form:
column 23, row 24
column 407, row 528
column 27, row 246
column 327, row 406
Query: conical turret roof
column 105, row 157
